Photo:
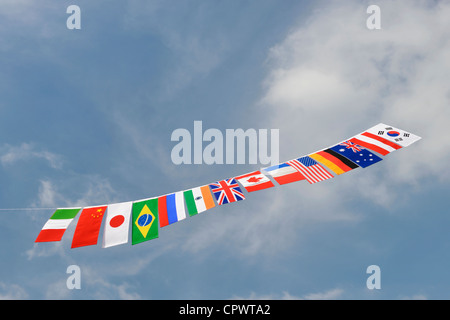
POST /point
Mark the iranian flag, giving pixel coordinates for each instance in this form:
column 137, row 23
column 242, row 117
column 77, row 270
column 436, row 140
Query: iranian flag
column 54, row 228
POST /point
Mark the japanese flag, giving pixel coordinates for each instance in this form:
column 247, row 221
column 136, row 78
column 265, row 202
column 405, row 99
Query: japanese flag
column 117, row 224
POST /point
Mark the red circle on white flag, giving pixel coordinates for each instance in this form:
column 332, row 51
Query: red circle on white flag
column 117, row 221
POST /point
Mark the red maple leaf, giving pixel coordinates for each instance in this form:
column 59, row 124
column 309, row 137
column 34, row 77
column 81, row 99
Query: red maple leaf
column 254, row 179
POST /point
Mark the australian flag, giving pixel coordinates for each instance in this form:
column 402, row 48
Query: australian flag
column 357, row 154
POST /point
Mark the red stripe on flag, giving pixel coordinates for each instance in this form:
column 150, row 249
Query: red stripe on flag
column 370, row 146
column 288, row 178
column 48, row 235
column 227, row 191
column 383, row 140
column 261, row 186
column 313, row 174
column 335, row 160
column 162, row 211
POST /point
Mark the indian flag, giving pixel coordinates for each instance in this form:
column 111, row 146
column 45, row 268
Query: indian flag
column 198, row 200
column 54, row 228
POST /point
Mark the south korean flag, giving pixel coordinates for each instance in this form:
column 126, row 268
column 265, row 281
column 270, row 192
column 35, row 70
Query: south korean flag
column 395, row 135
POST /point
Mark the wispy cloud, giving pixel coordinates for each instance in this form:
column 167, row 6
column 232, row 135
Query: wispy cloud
column 93, row 190
column 12, row 292
column 332, row 294
column 199, row 50
column 342, row 85
column 10, row 155
column 414, row 297
column 344, row 78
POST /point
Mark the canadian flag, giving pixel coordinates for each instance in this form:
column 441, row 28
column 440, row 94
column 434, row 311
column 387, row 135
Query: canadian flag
column 254, row 181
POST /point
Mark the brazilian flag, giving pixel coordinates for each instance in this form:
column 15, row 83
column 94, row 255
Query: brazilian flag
column 145, row 220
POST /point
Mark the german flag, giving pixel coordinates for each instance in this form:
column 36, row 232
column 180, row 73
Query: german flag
column 334, row 161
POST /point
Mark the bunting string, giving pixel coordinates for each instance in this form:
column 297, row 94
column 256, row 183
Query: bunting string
column 25, row 209
column 147, row 216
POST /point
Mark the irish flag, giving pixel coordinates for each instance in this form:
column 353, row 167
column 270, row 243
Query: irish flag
column 54, row 228
column 198, row 200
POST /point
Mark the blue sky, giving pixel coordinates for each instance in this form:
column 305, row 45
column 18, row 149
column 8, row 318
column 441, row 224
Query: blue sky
column 86, row 118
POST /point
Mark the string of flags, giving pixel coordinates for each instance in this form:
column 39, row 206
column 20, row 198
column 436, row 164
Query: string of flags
column 147, row 216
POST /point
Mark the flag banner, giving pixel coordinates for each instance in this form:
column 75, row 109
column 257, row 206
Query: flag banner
column 88, row 227
column 254, row 181
column 310, row 169
column 171, row 208
column 54, row 228
column 117, row 224
column 334, row 161
column 148, row 215
column 283, row 173
column 395, row 135
column 356, row 153
column 198, row 200
column 227, row 191
column 145, row 220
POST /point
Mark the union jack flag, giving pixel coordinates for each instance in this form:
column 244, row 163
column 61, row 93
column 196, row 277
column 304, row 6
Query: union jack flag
column 351, row 145
column 227, row 191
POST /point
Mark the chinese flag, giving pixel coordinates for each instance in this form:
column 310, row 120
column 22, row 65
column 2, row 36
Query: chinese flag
column 88, row 227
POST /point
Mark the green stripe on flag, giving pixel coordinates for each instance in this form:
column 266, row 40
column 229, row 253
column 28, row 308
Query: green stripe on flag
column 65, row 213
column 190, row 202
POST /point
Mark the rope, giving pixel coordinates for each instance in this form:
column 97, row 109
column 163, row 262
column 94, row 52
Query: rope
column 25, row 209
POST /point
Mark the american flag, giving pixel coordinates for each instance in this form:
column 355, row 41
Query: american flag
column 227, row 191
column 310, row 169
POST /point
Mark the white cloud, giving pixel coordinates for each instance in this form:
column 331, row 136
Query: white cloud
column 333, row 77
column 330, row 79
column 10, row 155
column 12, row 292
column 23, row 16
column 58, row 248
column 199, row 50
column 93, row 286
column 57, row 290
column 328, row 295
column 414, row 297
column 268, row 223
column 94, row 190
column 332, row 294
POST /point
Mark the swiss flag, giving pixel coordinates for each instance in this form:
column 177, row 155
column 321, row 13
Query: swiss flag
column 254, row 181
